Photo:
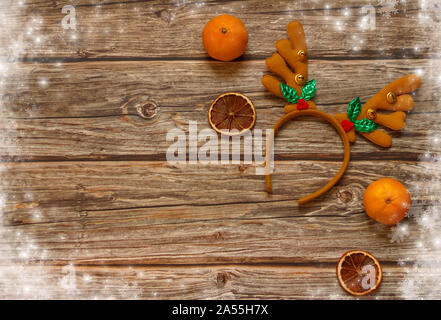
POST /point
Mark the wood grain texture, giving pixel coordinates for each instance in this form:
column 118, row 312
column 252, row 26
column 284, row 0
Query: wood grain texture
column 86, row 187
column 130, row 29
column 191, row 282
column 95, row 110
column 103, row 88
column 154, row 213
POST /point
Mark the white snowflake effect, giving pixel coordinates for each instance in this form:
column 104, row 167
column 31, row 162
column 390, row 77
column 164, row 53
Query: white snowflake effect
column 23, row 276
column 22, row 273
column 423, row 275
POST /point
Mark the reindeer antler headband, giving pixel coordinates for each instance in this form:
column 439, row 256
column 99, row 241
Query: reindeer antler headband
column 299, row 92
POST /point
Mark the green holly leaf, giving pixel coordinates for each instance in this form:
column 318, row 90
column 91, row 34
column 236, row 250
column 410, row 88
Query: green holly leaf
column 289, row 93
column 365, row 125
column 308, row 90
column 354, row 109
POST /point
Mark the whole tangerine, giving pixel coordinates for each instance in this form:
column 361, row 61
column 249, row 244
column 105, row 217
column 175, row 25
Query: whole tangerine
column 225, row 37
column 387, row 201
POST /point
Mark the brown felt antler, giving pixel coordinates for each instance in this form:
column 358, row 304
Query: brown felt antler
column 293, row 52
column 393, row 97
column 291, row 55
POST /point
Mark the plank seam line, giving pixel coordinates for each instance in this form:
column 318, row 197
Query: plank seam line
column 402, row 157
column 372, row 57
column 324, row 264
column 223, row 2
column 419, row 205
column 197, row 111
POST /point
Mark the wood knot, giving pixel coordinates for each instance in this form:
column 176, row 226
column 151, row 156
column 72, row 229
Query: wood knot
column 345, row 196
column 218, row 235
column 221, row 279
column 148, row 110
column 82, row 53
column 165, row 15
column 80, row 187
column 140, row 106
column 243, row 167
column 82, row 213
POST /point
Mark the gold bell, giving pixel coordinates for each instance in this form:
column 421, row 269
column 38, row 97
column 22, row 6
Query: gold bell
column 300, row 79
column 302, row 55
column 391, row 97
column 371, row 114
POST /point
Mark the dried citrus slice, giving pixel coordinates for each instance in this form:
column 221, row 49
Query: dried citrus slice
column 359, row 272
column 232, row 113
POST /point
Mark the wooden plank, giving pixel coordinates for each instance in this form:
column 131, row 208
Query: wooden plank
column 113, row 138
column 148, row 229
column 152, row 213
column 202, row 282
column 98, row 89
column 130, row 29
column 92, row 110
column 101, row 186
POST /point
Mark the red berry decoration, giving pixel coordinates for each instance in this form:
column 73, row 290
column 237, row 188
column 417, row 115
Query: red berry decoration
column 302, row 104
column 347, row 125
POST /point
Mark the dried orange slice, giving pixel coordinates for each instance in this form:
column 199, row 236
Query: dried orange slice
column 232, row 113
column 359, row 272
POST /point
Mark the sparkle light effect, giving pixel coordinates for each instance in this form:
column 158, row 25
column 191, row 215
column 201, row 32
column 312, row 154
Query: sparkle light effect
column 423, row 275
column 23, row 273
column 23, row 276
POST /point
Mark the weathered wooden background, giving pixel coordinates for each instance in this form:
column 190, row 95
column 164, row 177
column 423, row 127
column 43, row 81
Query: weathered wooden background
column 85, row 179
